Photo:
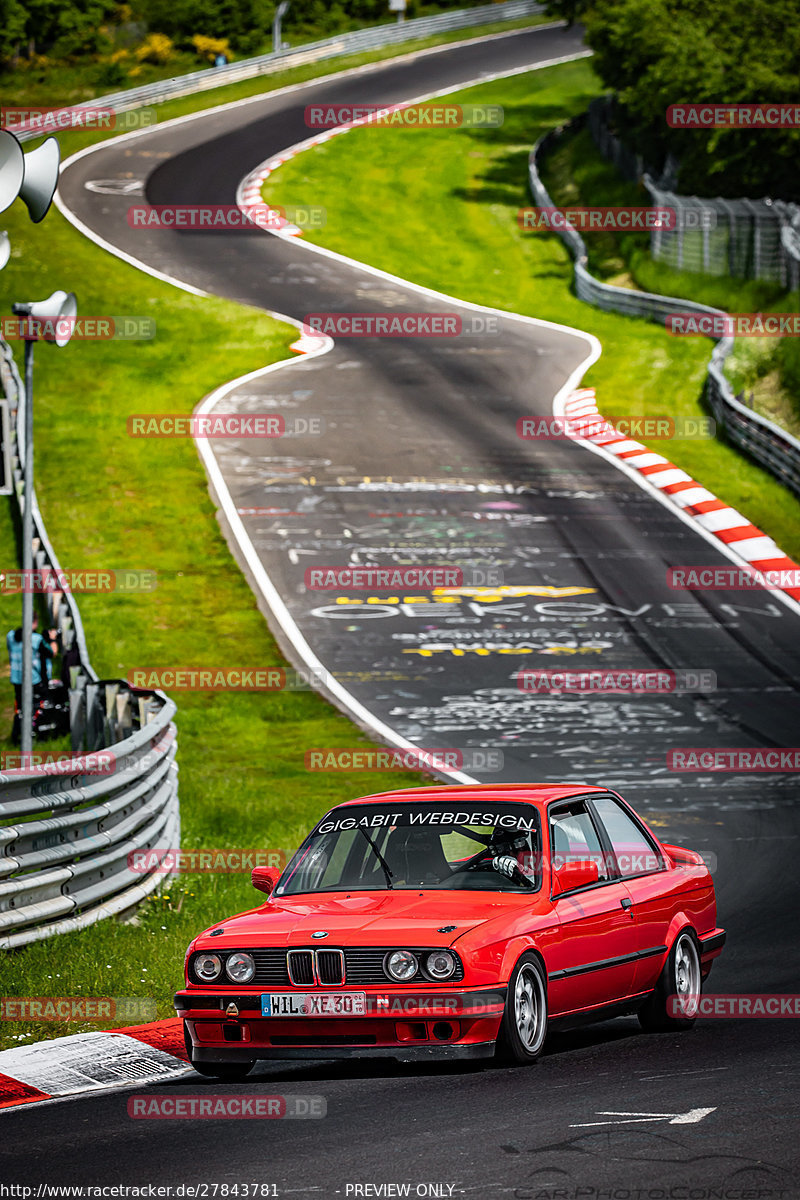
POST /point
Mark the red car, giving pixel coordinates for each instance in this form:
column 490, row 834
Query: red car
column 454, row 922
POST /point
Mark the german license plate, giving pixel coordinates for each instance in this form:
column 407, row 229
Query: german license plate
column 314, row 1004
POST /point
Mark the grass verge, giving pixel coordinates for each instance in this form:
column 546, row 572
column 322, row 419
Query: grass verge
column 461, row 236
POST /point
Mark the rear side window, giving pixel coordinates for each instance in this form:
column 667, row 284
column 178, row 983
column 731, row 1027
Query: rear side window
column 633, row 850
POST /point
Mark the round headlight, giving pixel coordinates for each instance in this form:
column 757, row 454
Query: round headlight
column 207, row 967
column 401, row 965
column 441, row 964
column 240, row 968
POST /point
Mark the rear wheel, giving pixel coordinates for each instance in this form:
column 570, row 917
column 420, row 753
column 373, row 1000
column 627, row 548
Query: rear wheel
column 220, row 1070
column 524, row 1026
column 678, row 989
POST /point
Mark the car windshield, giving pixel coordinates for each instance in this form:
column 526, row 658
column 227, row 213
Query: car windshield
column 468, row 846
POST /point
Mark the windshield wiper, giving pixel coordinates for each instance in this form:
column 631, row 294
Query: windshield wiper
column 380, row 859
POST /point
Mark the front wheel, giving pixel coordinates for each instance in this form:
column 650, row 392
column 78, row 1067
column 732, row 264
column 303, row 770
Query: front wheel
column 524, row 1026
column 221, row 1070
column 678, row 989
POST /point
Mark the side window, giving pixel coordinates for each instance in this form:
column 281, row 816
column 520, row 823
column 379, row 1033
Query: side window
column 633, row 851
column 573, row 836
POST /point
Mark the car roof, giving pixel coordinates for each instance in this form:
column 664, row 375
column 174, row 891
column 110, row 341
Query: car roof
column 526, row 793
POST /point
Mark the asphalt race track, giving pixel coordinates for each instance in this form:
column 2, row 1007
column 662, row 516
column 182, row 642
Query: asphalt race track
column 420, row 463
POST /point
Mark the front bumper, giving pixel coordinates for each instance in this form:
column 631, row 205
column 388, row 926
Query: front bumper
column 462, row 1023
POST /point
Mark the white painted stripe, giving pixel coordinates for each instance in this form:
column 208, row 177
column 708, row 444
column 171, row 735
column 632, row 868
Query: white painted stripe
column 695, row 495
column 623, row 447
column 721, row 518
column 758, row 547
column 88, row 1062
column 662, row 479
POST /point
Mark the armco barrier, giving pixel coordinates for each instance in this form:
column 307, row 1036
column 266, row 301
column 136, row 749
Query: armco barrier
column 68, row 867
column 771, row 446
column 359, row 40
column 65, row 836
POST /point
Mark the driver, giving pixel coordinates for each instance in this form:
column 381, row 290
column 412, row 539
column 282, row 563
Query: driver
column 510, row 853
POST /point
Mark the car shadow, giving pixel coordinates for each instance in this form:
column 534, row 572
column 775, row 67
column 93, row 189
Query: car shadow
column 325, row 1069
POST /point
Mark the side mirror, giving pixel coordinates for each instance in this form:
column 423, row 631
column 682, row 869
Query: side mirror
column 575, row 873
column 263, row 879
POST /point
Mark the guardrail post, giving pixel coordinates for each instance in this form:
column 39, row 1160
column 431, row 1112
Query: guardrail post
column 77, row 711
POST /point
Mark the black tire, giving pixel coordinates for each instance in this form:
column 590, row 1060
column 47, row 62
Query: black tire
column 681, row 977
column 524, row 1027
column 220, row 1070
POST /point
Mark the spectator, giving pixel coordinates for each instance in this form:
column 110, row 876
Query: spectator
column 43, row 654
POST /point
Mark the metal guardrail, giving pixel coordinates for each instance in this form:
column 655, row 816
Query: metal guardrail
column 358, row 40
column 66, row 832
column 742, row 237
column 771, row 446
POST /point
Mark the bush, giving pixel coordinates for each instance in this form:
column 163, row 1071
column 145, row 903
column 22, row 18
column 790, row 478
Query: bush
column 111, row 74
column 208, row 47
column 156, row 48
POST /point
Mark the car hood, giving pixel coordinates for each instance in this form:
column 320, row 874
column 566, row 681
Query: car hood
column 363, row 919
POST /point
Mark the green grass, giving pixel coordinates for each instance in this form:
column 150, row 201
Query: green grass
column 440, row 208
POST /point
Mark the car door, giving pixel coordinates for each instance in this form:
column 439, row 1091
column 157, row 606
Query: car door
column 593, row 961
column 652, row 886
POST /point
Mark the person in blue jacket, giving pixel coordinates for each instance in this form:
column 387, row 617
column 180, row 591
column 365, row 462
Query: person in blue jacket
column 44, row 650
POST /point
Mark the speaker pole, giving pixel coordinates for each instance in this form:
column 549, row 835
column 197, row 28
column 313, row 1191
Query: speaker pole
column 26, row 718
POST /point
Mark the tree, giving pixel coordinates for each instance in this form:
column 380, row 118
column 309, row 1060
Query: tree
column 654, row 53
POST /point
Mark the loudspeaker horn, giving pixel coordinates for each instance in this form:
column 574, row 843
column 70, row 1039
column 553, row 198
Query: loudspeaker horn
column 41, row 178
column 12, row 169
column 57, row 311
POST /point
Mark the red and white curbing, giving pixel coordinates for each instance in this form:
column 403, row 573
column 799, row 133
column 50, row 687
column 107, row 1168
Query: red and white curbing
column 740, row 537
column 90, row 1062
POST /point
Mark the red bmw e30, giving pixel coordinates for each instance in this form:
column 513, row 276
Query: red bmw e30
column 454, row 922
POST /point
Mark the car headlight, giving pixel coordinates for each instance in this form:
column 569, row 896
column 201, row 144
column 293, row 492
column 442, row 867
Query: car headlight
column 240, row 968
column 207, row 967
column 401, row 965
column 441, row 964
